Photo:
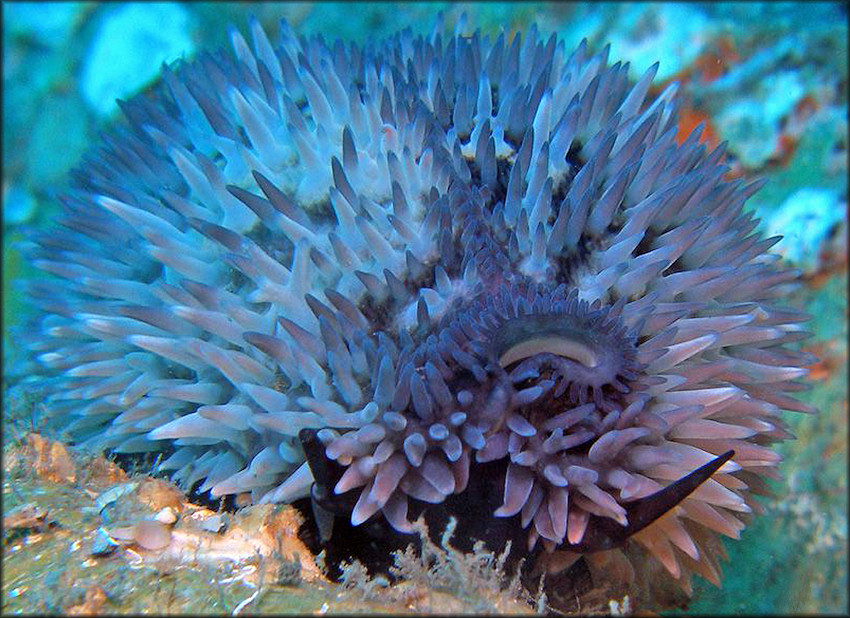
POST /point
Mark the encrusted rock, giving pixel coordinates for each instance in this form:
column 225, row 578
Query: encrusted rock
column 51, row 460
column 151, row 534
column 103, row 544
column 27, row 516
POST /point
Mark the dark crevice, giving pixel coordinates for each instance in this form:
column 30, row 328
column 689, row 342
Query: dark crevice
column 276, row 245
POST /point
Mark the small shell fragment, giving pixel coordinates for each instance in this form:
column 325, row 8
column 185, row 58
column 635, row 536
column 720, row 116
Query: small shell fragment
column 122, row 534
column 166, row 516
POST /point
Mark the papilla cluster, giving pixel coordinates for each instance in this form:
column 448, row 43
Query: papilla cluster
column 408, row 259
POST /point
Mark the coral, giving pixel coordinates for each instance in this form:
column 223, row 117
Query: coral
column 675, row 32
column 416, row 258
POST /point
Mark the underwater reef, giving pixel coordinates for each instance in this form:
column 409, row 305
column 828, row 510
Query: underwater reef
column 386, row 279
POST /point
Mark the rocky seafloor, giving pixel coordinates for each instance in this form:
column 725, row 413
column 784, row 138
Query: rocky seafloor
column 81, row 535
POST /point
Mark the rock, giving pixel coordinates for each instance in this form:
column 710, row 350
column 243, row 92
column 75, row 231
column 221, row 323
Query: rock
column 158, row 494
column 50, row 460
column 216, row 523
column 151, row 534
column 671, row 33
column 123, row 534
column 288, row 572
column 18, row 205
column 779, row 93
column 131, row 44
column 112, row 495
column 806, row 219
column 50, row 23
column 100, row 471
column 103, row 544
column 92, row 603
column 58, row 138
column 752, row 137
column 166, row 516
column 27, row 516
